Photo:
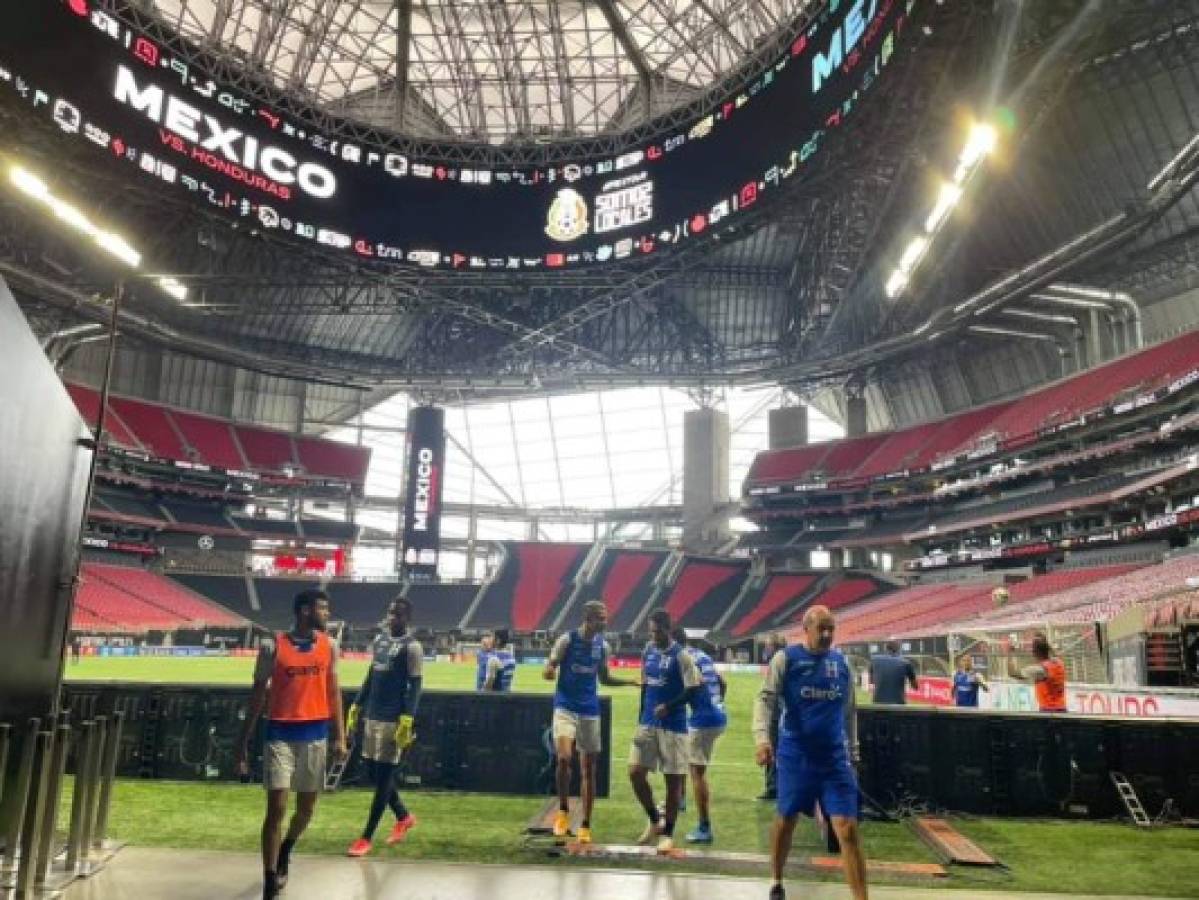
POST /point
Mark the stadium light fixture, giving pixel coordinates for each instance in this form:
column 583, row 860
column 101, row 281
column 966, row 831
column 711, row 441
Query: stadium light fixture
column 112, row 243
column 29, row 183
column 895, row 284
column 119, row 247
column 981, row 141
column 173, row 287
column 71, row 216
column 947, row 199
column 912, row 254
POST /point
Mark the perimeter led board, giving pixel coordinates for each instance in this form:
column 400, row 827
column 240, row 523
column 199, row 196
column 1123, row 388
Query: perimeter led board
column 102, row 84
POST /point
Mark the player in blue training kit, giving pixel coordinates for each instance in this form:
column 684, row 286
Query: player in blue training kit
column 967, row 682
column 579, row 661
column 817, row 745
column 483, row 659
column 670, row 681
column 501, row 664
column 705, row 725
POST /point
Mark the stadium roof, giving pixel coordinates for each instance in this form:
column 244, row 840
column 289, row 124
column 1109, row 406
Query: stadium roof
column 483, row 70
column 1098, row 99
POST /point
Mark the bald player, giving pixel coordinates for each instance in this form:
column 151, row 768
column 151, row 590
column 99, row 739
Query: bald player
column 817, row 745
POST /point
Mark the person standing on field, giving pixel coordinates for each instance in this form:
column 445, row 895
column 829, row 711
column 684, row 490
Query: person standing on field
column 295, row 681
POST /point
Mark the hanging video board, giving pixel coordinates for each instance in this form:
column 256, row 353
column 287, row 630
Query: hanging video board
column 105, row 85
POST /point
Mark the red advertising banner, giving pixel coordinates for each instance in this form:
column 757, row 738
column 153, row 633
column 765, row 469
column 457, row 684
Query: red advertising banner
column 932, row 692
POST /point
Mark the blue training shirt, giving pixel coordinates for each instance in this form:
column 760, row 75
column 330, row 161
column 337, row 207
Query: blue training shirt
column 707, row 708
column 481, row 669
column 965, row 689
column 507, row 661
column 663, row 676
column 579, row 662
column 816, row 691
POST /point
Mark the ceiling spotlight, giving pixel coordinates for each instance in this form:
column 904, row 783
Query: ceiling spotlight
column 173, row 287
column 69, row 214
column 947, row 199
column 29, row 183
column 119, row 247
column 912, row 254
column 981, row 142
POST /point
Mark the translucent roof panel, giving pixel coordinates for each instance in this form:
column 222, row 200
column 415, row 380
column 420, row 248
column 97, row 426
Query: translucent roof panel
column 598, row 450
column 483, row 69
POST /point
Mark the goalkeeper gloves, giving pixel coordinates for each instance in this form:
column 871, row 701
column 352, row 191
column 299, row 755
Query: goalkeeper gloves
column 352, row 718
column 404, row 735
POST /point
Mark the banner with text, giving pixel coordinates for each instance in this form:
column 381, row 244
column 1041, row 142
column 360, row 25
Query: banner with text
column 422, row 501
column 1097, row 700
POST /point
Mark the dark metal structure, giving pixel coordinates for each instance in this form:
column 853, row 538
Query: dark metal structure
column 1100, row 98
column 42, row 497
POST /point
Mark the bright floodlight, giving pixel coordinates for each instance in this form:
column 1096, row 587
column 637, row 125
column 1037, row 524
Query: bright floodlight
column 895, row 284
column 912, row 254
column 174, row 288
column 71, row 215
column 32, row 185
column 981, row 141
column 946, row 201
column 29, row 183
column 119, row 247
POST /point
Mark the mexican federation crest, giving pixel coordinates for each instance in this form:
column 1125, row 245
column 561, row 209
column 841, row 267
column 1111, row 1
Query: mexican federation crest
column 567, row 217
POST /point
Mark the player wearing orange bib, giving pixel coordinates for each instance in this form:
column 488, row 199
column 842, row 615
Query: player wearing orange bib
column 295, row 680
column 1048, row 676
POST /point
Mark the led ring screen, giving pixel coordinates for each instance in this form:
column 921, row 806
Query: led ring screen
column 120, row 93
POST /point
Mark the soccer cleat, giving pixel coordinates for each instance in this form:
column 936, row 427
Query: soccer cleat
column 665, row 844
column 701, row 835
column 360, row 847
column 584, row 835
column 778, row 893
column 401, row 828
column 561, row 824
column 652, row 831
column 283, row 864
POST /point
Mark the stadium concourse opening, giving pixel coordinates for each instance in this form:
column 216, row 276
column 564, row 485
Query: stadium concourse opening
column 619, row 448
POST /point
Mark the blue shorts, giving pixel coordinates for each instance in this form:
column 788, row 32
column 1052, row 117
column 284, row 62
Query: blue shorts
column 801, row 784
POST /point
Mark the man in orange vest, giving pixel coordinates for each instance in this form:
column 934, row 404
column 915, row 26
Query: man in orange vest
column 1048, row 675
column 295, row 679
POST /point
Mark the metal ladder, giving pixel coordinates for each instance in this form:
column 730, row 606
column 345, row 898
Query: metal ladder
column 338, row 769
column 1131, row 801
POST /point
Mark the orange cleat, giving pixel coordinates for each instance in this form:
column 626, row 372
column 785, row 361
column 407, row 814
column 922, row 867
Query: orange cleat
column 360, row 847
column 561, row 824
column 401, row 828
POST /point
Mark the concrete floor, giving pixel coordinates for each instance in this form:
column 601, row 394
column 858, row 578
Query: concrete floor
column 140, row 874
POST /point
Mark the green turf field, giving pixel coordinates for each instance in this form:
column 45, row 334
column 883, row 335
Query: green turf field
column 1090, row 859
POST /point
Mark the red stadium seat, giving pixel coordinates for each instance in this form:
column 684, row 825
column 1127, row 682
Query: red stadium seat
column 139, row 600
column 212, row 439
column 88, row 403
column 780, row 590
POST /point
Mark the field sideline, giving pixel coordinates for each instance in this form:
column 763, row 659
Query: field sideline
column 1090, row 859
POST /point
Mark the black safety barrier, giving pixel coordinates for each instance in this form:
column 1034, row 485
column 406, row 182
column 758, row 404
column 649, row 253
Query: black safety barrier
column 490, row 742
column 1026, row 764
